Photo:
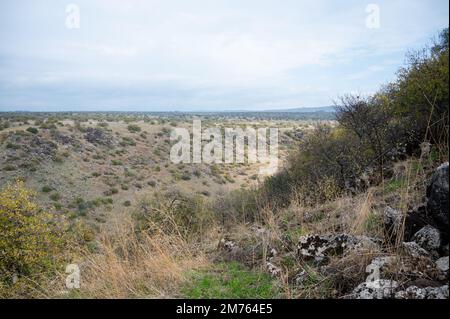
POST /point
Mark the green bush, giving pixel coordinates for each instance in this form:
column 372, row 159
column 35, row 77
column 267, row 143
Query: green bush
column 133, row 128
column 55, row 197
column 46, row 189
column 29, row 243
column 32, row 130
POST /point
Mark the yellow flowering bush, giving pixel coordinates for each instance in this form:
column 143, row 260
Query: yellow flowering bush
column 30, row 242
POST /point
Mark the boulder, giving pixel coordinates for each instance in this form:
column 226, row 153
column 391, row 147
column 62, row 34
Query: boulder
column 429, row 239
column 442, row 265
column 437, row 199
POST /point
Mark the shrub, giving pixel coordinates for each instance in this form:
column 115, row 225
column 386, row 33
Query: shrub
column 186, row 176
column 111, row 191
column 133, row 128
column 32, row 130
column 29, row 244
column 12, row 146
column 9, row 168
column 46, row 189
column 127, row 203
column 55, row 197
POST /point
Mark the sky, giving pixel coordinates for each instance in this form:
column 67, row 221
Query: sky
column 151, row 55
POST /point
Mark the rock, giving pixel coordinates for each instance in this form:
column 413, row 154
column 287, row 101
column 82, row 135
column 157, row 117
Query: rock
column 64, row 139
column 429, row 239
column 437, row 199
column 378, row 289
column 442, row 264
column 98, row 136
column 380, row 262
column 411, row 222
column 274, row 271
column 40, row 148
column 320, row 247
column 444, row 250
column 425, row 148
column 414, row 250
column 392, row 220
column 301, row 278
column 230, row 247
column 414, row 292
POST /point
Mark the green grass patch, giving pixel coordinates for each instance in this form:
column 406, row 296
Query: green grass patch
column 393, row 185
column 230, row 280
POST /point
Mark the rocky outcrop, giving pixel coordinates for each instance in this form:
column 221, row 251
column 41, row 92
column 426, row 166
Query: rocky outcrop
column 377, row 289
column 389, row 289
column 320, row 247
column 427, row 224
column 437, row 200
column 414, row 292
column 98, row 136
column 425, row 238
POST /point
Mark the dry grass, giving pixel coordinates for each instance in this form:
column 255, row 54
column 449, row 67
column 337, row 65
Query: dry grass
column 128, row 264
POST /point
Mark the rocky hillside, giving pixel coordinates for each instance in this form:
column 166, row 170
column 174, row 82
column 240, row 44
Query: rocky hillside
column 408, row 258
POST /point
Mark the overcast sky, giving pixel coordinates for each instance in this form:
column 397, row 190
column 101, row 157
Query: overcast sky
column 146, row 55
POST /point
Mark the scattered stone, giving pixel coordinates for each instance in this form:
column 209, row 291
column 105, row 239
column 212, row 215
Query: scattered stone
column 380, row 262
column 301, row 278
column 230, row 247
column 64, row 139
column 274, row 271
column 377, row 289
column 273, row 253
column 228, row 244
column 318, row 247
column 414, row 292
column 97, row 136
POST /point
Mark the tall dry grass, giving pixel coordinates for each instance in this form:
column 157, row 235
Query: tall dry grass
column 131, row 264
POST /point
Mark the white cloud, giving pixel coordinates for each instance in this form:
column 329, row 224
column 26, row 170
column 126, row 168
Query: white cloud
column 296, row 52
